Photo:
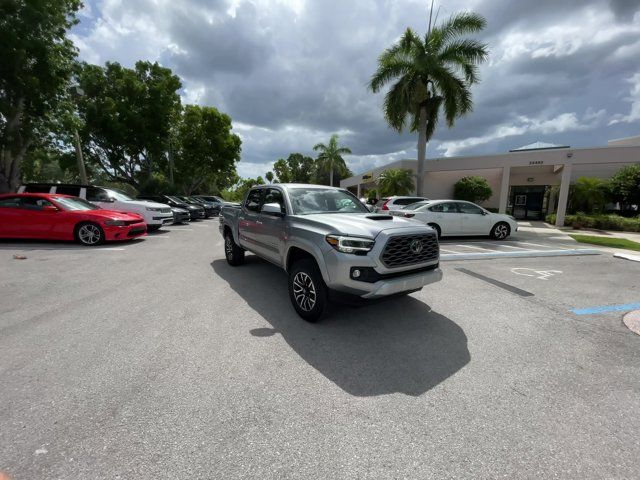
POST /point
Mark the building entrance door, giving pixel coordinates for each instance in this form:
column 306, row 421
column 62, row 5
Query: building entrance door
column 527, row 203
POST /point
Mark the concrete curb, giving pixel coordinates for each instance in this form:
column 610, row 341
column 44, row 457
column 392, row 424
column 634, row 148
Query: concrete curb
column 627, row 256
column 528, row 254
column 632, row 321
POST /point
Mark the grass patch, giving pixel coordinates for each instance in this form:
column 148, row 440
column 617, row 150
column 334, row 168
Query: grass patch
column 608, row 242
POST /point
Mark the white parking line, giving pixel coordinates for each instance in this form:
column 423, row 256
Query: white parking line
column 450, row 251
column 477, row 248
column 553, row 247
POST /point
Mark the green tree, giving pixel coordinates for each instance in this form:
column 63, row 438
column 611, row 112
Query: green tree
column 330, row 158
column 36, row 64
column 206, row 147
column 296, row 168
column 624, row 186
column 473, row 189
column 128, row 117
column 269, row 176
column 589, row 194
column 430, row 73
column 396, row 181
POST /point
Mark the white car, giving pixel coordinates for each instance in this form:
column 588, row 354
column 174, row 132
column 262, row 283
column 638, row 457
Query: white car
column 155, row 214
column 395, row 202
column 458, row 217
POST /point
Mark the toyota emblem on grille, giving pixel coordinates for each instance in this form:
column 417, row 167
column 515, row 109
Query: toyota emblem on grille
column 416, row 246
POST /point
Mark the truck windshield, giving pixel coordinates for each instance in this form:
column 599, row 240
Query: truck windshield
column 306, row 201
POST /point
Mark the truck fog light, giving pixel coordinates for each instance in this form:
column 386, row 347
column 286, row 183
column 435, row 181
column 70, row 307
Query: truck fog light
column 355, row 274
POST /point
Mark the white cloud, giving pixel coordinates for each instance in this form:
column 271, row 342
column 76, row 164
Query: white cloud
column 634, row 99
column 564, row 122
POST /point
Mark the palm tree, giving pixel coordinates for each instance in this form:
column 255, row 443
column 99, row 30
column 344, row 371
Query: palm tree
column 330, row 157
column 269, row 176
column 430, row 73
column 589, row 194
column 395, row 181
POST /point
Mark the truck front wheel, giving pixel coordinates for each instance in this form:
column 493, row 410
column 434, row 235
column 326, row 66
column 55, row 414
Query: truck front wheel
column 233, row 253
column 307, row 290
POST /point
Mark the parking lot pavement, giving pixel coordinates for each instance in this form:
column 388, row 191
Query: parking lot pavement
column 474, row 249
column 158, row 360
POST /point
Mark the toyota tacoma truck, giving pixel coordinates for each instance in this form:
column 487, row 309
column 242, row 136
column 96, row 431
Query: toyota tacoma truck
column 327, row 241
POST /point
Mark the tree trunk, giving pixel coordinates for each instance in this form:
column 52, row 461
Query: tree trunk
column 422, row 150
column 82, row 172
column 13, row 149
column 331, row 176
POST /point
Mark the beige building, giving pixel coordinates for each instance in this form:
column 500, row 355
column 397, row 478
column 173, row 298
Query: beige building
column 522, row 180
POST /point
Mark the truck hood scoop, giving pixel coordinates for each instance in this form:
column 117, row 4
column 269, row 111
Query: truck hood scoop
column 381, row 216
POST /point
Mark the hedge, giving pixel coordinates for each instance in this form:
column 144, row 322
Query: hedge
column 599, row 222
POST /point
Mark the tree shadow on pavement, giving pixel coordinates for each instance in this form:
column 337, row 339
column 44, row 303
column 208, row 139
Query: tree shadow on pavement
column 396, row 346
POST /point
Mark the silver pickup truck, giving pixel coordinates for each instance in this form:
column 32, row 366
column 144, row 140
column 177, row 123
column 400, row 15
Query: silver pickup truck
column 327, row 241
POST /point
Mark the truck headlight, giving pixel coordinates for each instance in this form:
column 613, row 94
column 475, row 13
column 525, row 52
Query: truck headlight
column 114, row 223
column 350, row 244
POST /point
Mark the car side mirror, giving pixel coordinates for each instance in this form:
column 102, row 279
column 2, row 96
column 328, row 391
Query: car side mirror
column 50, row 209
column 484, row 212
column 272, row 209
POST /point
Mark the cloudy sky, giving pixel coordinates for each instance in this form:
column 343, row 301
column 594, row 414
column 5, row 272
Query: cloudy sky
column 292, row 72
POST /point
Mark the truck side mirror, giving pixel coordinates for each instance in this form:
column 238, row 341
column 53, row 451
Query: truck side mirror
column 272, row 209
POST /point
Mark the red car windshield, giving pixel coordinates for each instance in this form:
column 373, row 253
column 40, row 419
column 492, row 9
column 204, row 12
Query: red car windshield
column 74, row 203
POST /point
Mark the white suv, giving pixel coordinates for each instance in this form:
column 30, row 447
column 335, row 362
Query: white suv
column 396, row 202
column 155, row 214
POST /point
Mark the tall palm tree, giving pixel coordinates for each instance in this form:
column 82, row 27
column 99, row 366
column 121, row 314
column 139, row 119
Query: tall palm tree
column 330, row 157
column 395, row 181
column 269, row 176
column 430, row 73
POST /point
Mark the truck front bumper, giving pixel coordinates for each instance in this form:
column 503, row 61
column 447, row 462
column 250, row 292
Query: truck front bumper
column 383, row 288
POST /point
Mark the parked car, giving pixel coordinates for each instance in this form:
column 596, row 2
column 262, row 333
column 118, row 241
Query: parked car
column 61, row 217
column 155, row 214
column 396, row 202
column 180, row 215
column 210, row 209
column 195, row 211
column 211, row 199
column 458, row 217
column 327, row 241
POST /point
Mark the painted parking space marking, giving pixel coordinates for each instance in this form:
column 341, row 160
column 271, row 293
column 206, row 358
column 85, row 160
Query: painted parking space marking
column 606, row 308
column 450, row 251
column 497, row 283
column 547, row 246
column 519, row 254
column 477, row 248
column 539, row 274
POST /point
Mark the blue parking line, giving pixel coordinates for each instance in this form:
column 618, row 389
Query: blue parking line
column 606, row 308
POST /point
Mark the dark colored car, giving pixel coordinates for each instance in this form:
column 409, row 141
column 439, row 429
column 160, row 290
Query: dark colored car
column 211, row 209
column 195, row 211
column 180, row 215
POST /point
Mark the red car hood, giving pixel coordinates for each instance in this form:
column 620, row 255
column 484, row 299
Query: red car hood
column 110, row 214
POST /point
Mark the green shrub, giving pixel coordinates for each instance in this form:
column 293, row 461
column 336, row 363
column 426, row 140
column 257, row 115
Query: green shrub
column 598, row 222
column 473, row 189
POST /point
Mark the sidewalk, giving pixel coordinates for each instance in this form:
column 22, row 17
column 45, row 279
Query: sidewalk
column 550, row 232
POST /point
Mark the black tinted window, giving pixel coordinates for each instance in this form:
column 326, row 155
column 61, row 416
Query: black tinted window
column 253, row 200
column 11, row 202
column 37, row 188
column 444, row 208
column 273, row 195
column 469, row 208
column 34, row 203
column 64, row 190
column 97, row 194
column 406, row 201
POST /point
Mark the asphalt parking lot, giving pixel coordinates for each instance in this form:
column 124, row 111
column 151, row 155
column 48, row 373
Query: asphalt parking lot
column 155, row 359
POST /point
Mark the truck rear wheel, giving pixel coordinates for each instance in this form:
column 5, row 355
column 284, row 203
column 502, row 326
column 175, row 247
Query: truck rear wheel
column 233, row 253
column 307, row 290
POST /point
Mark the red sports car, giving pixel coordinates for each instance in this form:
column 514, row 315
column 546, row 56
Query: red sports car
column 62, row 217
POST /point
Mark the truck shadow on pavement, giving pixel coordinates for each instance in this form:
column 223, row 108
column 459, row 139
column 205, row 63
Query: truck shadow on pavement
column 396, row 346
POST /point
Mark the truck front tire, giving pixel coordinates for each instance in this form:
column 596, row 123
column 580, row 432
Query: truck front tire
column 233, row 253
column 307, row 290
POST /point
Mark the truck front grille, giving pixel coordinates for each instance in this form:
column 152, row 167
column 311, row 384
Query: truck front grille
column 405, row 250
